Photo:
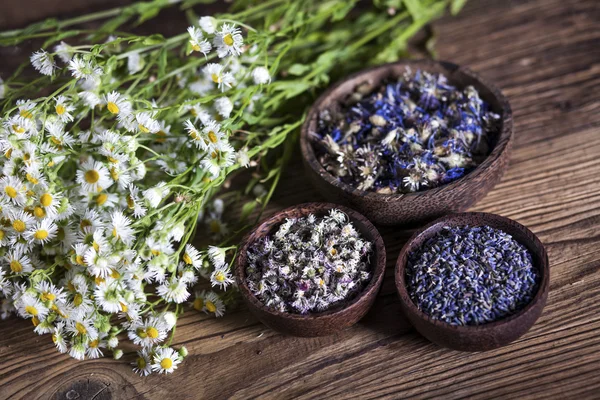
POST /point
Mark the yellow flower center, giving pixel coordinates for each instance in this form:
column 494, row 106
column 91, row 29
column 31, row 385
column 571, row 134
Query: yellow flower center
column 198, row 304
column 196, row 47
column 31, row 310
column 41, row 234
column 152, row 332
column 114, row 174
column 46, row 199
column 123, row 307
column 47, row 296
column 8, row 153
column 166, row 363
column 94, row 343
column 161, row 136
column 80, row 328
column 215, row 226
column 39, row 212
column 54, row 338
column 2, row 234
column 187, row 259
column 212, row 137
column 60, row 109
column 143, row 128
column 35, row 321
column 210, row 306
column 216, row 78
column 228, row 39
column 333, row 252
column 78, row 299
column 25, row 114
column 85, row 223
column 19, row 225
column 219, row 276
column 101, row 199
column 16, row 266
column 31, row 179
column 96, row 246
column 194, row 135
column 18, row 129
column 155, row 252
column 92, row 176
column 10, row 191
column 115, row 274
column 79, row 259
column 99, row 280
column 112, row 107
column 141, row 363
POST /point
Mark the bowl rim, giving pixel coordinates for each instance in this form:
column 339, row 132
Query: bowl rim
column 503, row 142
column 370, row 289
column 454, row 220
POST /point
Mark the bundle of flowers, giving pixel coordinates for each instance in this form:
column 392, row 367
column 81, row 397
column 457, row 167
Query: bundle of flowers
column 112, row 158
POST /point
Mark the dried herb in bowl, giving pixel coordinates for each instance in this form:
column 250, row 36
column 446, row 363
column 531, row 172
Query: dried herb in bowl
column 410, row 134
column 471, row 275
column 310, row 264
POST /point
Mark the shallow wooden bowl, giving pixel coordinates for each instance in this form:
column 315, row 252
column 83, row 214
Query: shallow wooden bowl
column 323, row 323
column 396, row 209
column 481, row 337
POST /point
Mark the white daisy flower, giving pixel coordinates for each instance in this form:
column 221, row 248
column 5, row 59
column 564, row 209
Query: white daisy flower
column 82, row 327
column 63, row 109
column 142, row 364
column 30, row 307
column 58, row 337
column 135, row 63
column 121, row 228
column 156, row 194
column 146, row 122
column 21, row 127
column 216, row 73
column 219, row 159
column 90, row 99
column 192, row 257
column 94, row 346
column 148, row 333
column 217, row 255
column 85, row 70
column 197, row 41
column 177, row 232
column 228, row 41
column 26, row 108
column 165, row 360
column 212, row 303
column 117, row 105
column 13, row 189
column 43, row 62
column 242, row 157
column 260, row 75
column 42, row 232
column 93, row 177
column 64, row 52
column 221, row 277
column 134, row 202
column 50, row 293
column 208, row 24
column 174, row 291
column 77, row 351
column 224, row 106
column 21, row 222
column 107, row 295
column 99, row 264
column 58, row 138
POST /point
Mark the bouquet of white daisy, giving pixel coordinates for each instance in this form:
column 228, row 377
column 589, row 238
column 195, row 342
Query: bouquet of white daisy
column 112, row 158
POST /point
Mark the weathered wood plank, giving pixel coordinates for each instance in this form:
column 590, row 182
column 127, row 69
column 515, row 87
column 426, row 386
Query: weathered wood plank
column 545, row 55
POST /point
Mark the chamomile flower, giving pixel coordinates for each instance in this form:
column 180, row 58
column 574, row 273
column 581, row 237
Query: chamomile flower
column 216, row 73
column 82, row 328
column 116, row 104
column 217, row 255
column 44, row 231
column 43, row 62
column 228, row 41
column 93, row 177
column 165, row 360
column 212, row 303
column 224, row 106
column 64, row 52
column 108, row 296
column 142, row 364
column 85, row 70
column 208, row 24
column 78, row 350
column 26, row 108
column 149, row 332
column 100, row 264
column 221, row 277
column 30, row 307
column 58, row 337
column 156, row 194
column 121, row 228
column 94, row 348
column 147, row 123
column 197, row 41
column 63, row 109
column 219, row 159
column 90, row 99
column 134, row 202
column 192, row 257
column 135, row 63
column 261, row 75
column 50, row 293
column 13, row 190
column 174, row 291
column 21, row 127
column 21, row 221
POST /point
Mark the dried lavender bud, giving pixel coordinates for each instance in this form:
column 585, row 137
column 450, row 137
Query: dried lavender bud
column 310, row 264
column 471, row 275
column 413, row 134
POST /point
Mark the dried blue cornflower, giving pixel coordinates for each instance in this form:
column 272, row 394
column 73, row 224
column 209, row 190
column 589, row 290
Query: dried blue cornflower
column 310, row 264
column 471, row 275
column 412, row 134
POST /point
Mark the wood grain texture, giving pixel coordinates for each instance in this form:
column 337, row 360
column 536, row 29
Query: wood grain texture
column 421, row 206
column 543, row 54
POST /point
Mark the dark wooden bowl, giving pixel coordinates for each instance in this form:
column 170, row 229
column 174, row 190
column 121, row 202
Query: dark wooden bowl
column 329, row 321
column 480, row 337
column 395, row 209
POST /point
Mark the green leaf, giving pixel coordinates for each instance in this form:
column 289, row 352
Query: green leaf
column 247, row 209
column 298, row 69
column 157, row 38
column 162, row 63
column 414, row 8
column 456, row 6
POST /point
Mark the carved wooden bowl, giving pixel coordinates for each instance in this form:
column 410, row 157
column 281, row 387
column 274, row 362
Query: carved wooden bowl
column 329, row 321
column 396, row 209
column 486, row 336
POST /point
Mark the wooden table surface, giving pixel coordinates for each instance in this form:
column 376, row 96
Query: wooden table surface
column 545, row 56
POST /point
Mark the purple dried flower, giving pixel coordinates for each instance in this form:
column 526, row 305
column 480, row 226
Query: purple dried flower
column 413, row 134
column 471, row 275
column 310, row 264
